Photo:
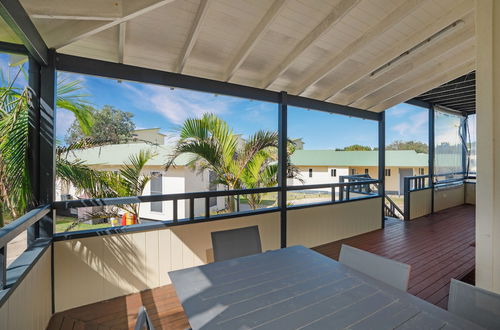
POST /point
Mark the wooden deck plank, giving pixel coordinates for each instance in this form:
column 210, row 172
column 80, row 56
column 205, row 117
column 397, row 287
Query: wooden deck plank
column 438, row 247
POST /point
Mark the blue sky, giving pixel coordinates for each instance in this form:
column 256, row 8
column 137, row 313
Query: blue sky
column 156, row 106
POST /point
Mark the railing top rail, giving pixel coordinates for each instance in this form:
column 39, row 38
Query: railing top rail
column 329, row 185
column 158, row 198
column 413, row 177
column 61, row 205
column 10, row 231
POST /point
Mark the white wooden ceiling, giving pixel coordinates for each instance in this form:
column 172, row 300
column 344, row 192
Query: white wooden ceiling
column 323, row 49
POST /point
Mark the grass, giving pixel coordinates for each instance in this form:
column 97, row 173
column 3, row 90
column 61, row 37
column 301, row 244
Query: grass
column 63, row 223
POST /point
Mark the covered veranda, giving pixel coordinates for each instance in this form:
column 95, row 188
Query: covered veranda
column 348, row 57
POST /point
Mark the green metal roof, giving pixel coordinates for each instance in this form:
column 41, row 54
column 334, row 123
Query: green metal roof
column 118, row 154
column 398, row 158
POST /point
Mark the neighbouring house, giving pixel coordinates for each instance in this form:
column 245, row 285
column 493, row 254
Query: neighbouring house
column 178, row 179
column 327, row 166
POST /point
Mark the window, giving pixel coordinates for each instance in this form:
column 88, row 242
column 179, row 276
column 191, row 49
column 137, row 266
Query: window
column 366, row 171
column 387, row 172
column 421, row 171
column 353, row 171
column 310, row 172
column 156, row 189
column 333, row 172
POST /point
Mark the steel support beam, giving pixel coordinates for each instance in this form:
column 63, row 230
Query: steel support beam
column 283, row 164
column 381, row 161
column 18, row 20
column 432, row 133
column 41, row 157
column 133, row 73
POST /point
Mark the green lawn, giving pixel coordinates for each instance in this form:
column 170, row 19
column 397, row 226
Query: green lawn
column 64, row 222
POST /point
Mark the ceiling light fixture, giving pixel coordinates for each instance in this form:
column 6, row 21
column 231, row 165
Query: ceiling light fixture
column 426, row 43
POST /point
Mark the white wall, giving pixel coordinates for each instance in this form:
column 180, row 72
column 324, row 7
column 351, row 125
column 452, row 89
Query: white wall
column 93, row 269
column 320, row 175
column 29, row 307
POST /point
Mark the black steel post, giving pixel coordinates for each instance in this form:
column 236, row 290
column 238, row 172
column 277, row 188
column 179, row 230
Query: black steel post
column 432, row 132
column 463, row 133
column 33, row 232
column 282, row 163
column 381, row 162
column 47, row 167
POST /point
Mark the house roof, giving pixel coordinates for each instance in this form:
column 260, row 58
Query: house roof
column 118, row 154
column 400, row 158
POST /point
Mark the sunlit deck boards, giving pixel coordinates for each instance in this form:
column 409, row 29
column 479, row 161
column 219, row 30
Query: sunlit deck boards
column 438, row 248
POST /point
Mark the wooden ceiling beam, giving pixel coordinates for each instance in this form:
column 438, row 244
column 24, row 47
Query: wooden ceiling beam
column 440, row 50
column 394, row 17
column 342, row 9
column 254, row 37
column 417, row 76
column 456, row 13
column 122, row 30
column 80, row 30
column 436, row 81
column 199, row 18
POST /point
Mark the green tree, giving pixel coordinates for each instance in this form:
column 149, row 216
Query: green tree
column 15, row 184
column 355, row 147
column 236, row 163
column 418, row 146
column 128, row 181
column 111, row 125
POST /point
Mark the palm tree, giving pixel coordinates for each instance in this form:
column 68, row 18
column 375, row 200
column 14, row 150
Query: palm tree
column 236, row 163
column 15, row 186
column 128, row 181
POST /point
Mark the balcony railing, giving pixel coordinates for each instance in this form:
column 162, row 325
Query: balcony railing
column 435, row 182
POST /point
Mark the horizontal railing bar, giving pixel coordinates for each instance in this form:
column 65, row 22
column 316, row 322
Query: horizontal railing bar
column 62, row 205
column 158, row 198
column 329, row 185
column 13, row 229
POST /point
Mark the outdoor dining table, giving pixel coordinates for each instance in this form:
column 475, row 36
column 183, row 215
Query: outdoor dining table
column 297, row 288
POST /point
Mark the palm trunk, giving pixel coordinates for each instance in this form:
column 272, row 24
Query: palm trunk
column 2, row 223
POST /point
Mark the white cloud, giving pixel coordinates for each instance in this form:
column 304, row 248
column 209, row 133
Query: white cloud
column 175, row 105
column 415, row 125
column 64, row 119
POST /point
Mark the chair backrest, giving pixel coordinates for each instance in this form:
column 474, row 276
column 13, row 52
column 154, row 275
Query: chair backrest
column 394, row 273
column 474, row 304
column 235, row 243
column 143, row 320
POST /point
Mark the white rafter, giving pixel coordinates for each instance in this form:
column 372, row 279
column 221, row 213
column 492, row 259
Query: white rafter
column 436, row 81
column 201, row 13
column 394, row 17
column 329, row 22
column 81, row 30
column 361, row 98
column 259, row 30
column 457, row 12
column 122, row 30
column 73, row 17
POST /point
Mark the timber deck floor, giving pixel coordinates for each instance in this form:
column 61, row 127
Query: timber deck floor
column 438, row 247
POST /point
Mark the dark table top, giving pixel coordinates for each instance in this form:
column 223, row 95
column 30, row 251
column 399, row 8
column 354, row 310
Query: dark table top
column 297, row 288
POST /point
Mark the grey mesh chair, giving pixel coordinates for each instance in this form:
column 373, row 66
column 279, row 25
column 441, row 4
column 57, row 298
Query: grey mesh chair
column 394, row 273
column 475, row 304
column 235, row 243
column 143, row 320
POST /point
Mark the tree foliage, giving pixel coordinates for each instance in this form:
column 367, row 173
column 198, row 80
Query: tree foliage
column 15, row 184
column 355, row 147
column 419, row 147
column 237, row 163
column 110, row 124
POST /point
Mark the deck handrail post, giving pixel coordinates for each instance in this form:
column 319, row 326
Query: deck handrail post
column 282, row 165
column 381, row 162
